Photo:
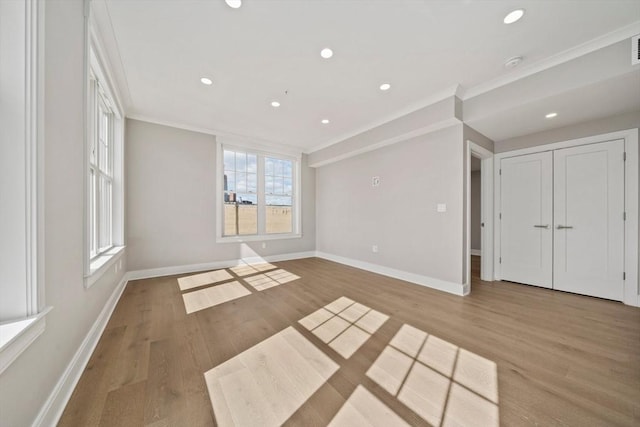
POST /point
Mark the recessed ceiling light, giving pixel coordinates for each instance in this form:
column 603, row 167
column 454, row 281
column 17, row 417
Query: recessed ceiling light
column 233, row 3
column 275, row 104
column 513, row 16
column 385, row 86
column 206, row 81
column 325, row 121
column 551, row 115
column 326, row 53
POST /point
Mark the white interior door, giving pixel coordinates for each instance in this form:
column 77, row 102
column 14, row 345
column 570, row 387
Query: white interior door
column 526, row 219
column 588, row 220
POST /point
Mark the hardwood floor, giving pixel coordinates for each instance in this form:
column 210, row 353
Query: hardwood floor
column 557, row 358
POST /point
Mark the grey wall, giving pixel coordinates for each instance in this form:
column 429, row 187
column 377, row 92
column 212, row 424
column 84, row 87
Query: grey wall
column 26, row 384
column 171, row 201
column 400, row 215
column 476, row 213
column 593, row 127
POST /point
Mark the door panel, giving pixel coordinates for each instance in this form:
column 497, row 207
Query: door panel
column 526, row 209
column 589, row 199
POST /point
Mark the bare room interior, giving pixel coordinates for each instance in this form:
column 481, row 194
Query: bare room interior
column 311, row 213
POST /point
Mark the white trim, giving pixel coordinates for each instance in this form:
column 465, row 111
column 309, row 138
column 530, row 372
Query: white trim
column 236, row 139
column 554, row 60
column 486, row 157
column 53, row 407
column 21, row 338
column 192, row 268
column 430, row 282
column 476, row 252
column 100, row 264
column 630, row 137
column 390, row 141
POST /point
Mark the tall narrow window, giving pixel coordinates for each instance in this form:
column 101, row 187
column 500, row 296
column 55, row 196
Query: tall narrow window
column 278, row 178
column 100, row 173
column 259, row 194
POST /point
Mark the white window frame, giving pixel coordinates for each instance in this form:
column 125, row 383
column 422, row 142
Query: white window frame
column 19, row 330
column 295, row 203
column 100, row 90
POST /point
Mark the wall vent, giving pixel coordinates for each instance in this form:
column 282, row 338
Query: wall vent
column 635, row 49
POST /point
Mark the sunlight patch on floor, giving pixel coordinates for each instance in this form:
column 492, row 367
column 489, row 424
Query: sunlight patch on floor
column 202, row 279
column 364, row 409
column 429, row 374
column 344, row 325
column 247, row 269
column 212, row 296
column 260, row 282
column 267, row 383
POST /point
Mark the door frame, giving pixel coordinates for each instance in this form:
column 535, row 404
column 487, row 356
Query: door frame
column 486, row 208
column 630, row 137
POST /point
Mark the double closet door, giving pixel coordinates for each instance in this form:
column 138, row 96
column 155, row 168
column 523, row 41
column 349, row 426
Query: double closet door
column 562, row 223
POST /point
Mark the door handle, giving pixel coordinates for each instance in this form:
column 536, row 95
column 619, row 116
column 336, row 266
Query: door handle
column 562, row 227
column 542, row 226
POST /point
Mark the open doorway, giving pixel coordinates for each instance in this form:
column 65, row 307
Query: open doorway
column 479, row 214
column 475, row 188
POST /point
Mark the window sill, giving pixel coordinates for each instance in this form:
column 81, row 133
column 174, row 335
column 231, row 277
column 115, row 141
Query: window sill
column 100, row 264
column 17, row 336
column 257, row 238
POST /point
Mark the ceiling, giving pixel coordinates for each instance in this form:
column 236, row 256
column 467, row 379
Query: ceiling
column 270, row 50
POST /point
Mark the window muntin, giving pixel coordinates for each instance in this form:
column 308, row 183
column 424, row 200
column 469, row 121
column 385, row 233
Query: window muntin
column 258, row 194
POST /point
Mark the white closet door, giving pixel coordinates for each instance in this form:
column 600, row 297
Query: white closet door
column 588, row 220
column 526, row 209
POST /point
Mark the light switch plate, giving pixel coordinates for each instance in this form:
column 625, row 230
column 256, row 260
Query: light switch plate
column 442, row 207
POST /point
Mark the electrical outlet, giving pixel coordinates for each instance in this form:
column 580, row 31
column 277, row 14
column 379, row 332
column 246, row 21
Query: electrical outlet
column 264, row 245
column 374, row 249
column 442, row 207
column 375, row 181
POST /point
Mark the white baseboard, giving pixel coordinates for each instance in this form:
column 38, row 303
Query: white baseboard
column 182, row 269
column 430, row 282
column 52, row 409
column 476, row 252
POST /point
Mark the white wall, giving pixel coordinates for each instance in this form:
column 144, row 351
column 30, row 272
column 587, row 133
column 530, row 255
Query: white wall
column 400, row 215
column 171, row 201
column 26, row 384
column 476, row 212
column 618, row 122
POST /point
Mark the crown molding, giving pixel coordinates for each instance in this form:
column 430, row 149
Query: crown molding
column 223, row 136
column 554, row 60
column 437, row 97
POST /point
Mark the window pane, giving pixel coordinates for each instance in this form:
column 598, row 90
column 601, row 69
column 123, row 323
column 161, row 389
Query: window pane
column 104, row 237
column 229, row 160
column 268, row 184
column 288, row 168
column 230, row 181
column 241, row 218
column 288, row 186
column 278, row 167
column 93, row 246
column 252, row 183
column 241, row 182
column 252, row 163
column 278, row 185
column 241, row 162
column 279, row 218
column 268, row 166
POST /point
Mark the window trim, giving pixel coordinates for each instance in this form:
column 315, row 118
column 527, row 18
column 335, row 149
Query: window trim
column 18, row 334
column 96, row 265
column 296, row 232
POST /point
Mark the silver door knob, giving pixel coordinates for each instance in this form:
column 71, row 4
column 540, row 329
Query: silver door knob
column 542, row 226
column 562, row 227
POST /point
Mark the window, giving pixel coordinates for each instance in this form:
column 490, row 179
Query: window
column 258, row 195
column 104, row 165
column 100, row 172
